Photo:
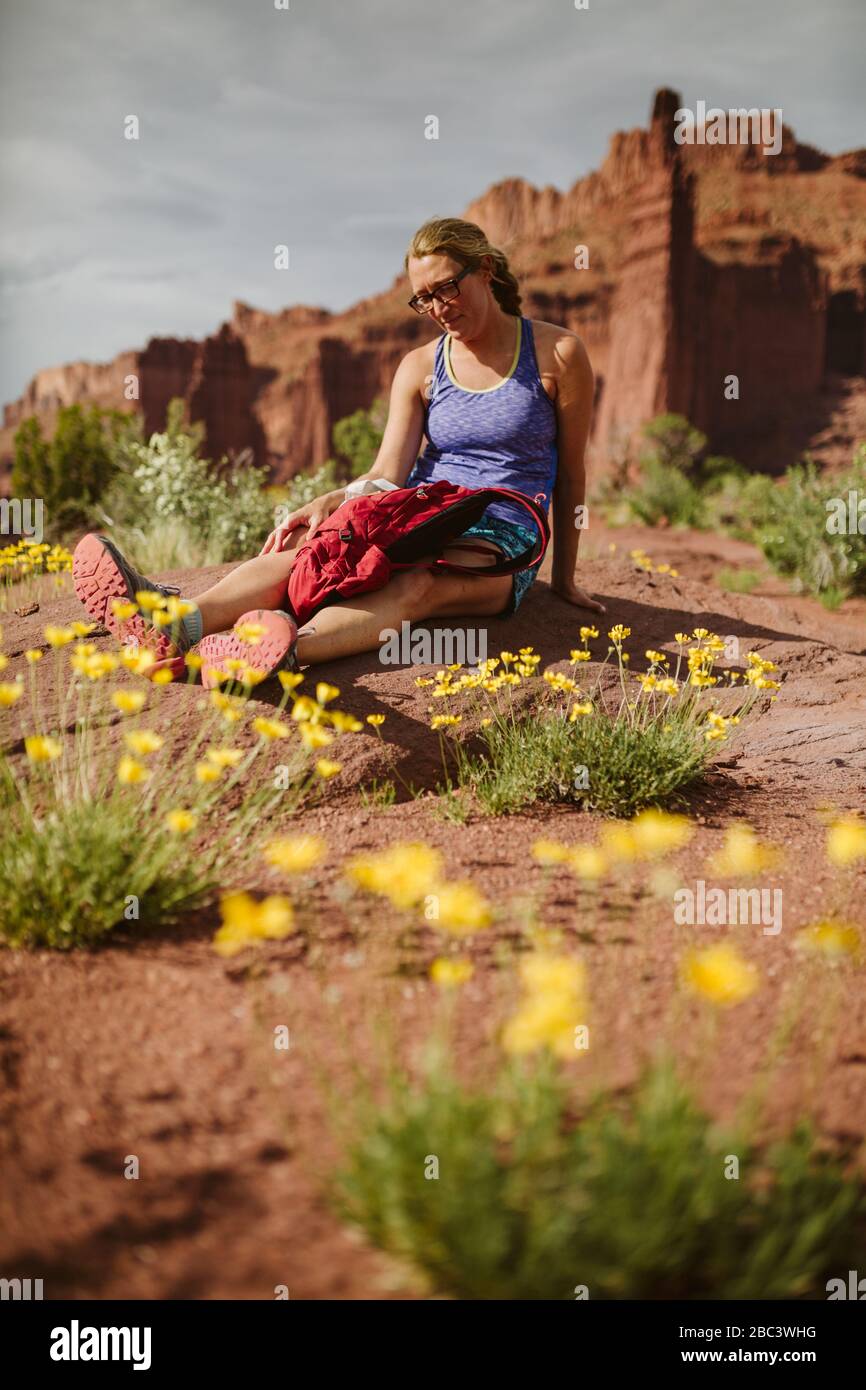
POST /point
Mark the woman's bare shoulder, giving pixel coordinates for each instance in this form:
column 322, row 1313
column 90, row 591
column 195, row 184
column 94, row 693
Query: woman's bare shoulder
column 416, row 368
column 559, row 352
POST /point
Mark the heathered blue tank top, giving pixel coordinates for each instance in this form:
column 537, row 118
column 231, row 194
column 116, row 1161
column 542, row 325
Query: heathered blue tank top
column 501, row 436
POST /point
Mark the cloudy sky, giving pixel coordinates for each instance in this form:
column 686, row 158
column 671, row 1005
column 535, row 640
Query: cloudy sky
column 305, row 126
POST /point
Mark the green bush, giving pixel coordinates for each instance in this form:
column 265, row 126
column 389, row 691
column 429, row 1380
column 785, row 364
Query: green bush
column 357, row 438
column 677, row 480
column 72, row 471
column 169, row 507
column 792, row 530
column 630, row 1199
column 629, row 767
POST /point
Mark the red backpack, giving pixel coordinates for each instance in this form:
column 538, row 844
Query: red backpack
column 367, row 538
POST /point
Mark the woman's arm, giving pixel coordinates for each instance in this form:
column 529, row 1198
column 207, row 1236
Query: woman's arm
column 397, row 452
column 574, row 393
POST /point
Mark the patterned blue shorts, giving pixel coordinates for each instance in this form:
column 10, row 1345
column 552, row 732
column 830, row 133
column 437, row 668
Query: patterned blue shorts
column 512, row 540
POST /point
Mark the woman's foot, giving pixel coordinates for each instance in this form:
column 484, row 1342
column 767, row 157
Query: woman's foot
column 261, row 639
column 101, row 575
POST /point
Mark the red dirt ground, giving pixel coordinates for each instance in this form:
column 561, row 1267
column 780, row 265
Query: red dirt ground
column 154, row 1046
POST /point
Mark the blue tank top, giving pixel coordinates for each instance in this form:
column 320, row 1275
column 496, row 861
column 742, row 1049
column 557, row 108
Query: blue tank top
column 502, row 436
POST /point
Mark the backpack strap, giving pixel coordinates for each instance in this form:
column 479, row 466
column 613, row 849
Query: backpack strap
column 505, row 566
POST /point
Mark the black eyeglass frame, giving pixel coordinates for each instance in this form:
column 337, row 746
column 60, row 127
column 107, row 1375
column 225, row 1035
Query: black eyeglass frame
column 437, row 293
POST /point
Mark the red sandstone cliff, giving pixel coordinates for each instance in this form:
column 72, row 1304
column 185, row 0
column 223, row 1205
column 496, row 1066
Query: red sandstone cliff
column 704, row 262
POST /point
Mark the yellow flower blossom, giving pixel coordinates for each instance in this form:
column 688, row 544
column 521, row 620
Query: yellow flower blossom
column 461, row 908
column 181, row 821
column 270, row 728
column 450, row 973
column 128, row 701
column 552, row 1008
column 404, row 874
column 312, row 736
column 10, row 691
column 375, row 719
column 130, row 772
column 325, row 693
column 325, row 767
column 588, row 862
column 123, row 609
column 846, row 841
column 224, row 757
column 32, row 655
column 58, row 636
column 742, row 854
column 143, row 741
column 246, row 922
column 295, row 854
column 207, row 773
column 550, row 852
column 41, row 748
column 720, row 974
column 829, row 938
column 289, row 680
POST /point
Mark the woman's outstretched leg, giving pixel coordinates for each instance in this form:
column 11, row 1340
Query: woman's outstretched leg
column 257, row 583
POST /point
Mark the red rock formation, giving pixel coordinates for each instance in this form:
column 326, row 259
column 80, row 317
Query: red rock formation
column 704, row 261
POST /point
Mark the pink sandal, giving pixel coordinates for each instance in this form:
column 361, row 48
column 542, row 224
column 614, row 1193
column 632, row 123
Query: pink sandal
column 271, row 650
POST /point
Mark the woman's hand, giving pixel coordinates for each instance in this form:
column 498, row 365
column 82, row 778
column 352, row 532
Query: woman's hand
column 572, row 593
column 311, row 515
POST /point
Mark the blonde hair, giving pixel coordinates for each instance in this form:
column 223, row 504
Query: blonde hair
column 466, row 243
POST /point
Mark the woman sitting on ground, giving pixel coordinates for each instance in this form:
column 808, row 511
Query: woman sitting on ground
column 502, row 400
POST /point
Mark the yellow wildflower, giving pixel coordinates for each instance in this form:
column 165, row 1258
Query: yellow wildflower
column 270, row 728
column 128, row 701
column 181, row 821
column 461, row 908
column 295, row 854
column 404, row 874
column 224, row 757
column 325, row 767
column 246, row 922
column 829, row 938
column 846, row 841
column 143, row 741
column 450, row 973
column 289, row 680
column 130, row 772
column 720, row 974
column 41, row 748
column 742, row 854
column 58, row 636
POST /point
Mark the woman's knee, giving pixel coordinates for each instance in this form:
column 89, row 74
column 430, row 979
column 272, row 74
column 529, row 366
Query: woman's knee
column 414, row 589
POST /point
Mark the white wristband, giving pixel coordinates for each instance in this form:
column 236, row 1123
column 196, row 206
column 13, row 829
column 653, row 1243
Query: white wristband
column 361, row 486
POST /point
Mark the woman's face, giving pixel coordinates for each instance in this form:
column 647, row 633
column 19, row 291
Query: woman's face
column 463, row 316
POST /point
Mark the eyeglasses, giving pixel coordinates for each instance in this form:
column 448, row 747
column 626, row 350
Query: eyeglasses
column 423, row 303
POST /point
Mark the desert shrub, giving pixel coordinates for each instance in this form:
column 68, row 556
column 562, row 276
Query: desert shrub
column 169, row 507
column 738, row 581
column 677, row 481
column 71, row 471
column 357, row 438
column 641, row 744
column 629, row 1199
column 793, row 530
column 107, row 820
